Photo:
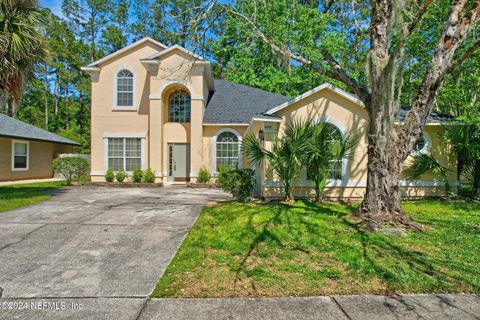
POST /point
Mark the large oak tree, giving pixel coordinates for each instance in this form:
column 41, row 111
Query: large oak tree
column 394, row 32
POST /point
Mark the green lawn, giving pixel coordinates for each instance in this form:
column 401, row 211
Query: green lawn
column 21, row 195
column 304, row 249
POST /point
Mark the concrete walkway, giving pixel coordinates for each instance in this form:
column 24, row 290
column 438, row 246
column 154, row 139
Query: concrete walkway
column 461, row 307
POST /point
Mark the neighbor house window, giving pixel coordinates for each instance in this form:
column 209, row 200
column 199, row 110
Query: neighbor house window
column 124, row 153
column 228, row 150
column 20, row 155
column 125, row 88
column 179, row 107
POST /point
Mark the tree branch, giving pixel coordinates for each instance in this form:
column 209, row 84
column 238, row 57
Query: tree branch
column 336, row 73
column 455, row 33
column 463, row 57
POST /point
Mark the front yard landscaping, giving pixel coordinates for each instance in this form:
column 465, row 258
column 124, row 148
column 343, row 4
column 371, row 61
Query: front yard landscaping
column 304, row 250
column 21, row 195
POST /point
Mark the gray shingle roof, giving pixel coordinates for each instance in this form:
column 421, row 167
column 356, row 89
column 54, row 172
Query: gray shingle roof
column 433, row 118
column 14, row 128
column 237, row 103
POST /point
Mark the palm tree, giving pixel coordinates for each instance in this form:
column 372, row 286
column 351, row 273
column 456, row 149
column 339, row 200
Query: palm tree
column 286, row 156
column 423, row 163
column 465, row 140
column 325, row 149
column 21, row 45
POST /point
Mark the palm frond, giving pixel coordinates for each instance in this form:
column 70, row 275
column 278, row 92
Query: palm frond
column 422, row 164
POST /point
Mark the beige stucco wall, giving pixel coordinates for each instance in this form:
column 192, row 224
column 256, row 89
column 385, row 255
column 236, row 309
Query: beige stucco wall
column 176, row 70
column 41, row 155
column 326, row 105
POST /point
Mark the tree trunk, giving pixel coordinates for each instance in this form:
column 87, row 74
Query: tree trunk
column 381, row 203
column 57, row 81
column 80, row 111
column 67, row 106
column 288, row 192
column 14, row 108
column 476, row 179
column 46, row 96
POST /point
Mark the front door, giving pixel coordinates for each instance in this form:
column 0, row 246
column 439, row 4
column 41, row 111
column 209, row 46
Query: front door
column 179, row 162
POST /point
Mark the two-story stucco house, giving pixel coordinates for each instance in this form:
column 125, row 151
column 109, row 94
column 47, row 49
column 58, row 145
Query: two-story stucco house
column 160, row 107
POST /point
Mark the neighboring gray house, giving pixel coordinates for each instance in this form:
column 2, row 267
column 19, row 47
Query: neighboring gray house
column 26, row 152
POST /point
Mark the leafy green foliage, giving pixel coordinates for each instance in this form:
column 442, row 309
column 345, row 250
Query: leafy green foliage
column 238, row 182
column 137, row 175
column 21, row 45
column 70, row 167
column 149, row 176
column 423, row 163
column 324, row 146
column 286, row 155
column 204, row 175
column 120, row 175
column 109, row 175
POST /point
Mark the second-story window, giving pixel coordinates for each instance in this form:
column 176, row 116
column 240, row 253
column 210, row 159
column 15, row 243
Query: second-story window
column 125, row 88
column 179, row 107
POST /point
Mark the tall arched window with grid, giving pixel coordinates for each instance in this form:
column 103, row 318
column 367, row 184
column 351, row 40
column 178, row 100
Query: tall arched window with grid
column 228, row 149
column 179, row 107
column 125, row 88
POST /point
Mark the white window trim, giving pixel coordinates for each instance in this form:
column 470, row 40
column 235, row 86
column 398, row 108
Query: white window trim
column 345, row 162
column 214, row 148
column 123, row 136
column 426, row 148
column 134, row 106
column 13, row 155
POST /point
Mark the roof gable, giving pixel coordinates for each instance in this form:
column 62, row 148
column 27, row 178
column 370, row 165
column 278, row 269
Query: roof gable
column 14, row 128
column 119, row 52
column 172, row 49
column 325, row 86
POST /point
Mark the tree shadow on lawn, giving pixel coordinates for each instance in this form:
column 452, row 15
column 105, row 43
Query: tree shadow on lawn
column 386, row 257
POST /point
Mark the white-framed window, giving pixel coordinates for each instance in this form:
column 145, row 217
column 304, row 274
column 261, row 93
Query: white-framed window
column 335, row 167
column 179, row 104
column 423, row 145
column 20, row 155
column 227, row 150
column 124, row 153
column 124, row 89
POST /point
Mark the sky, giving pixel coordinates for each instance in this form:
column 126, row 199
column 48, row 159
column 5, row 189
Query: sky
column 54, row 5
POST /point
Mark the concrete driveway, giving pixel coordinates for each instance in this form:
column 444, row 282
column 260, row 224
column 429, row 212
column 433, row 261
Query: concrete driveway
column 96, row 242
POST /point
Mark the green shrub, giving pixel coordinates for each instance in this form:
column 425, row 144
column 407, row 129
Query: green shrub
column 109, row 175
column 223, row 170
column 204, row 175
column 149, row 176
column 238, row 182
column 137, row 175
column 120, row 176
column 70, row 167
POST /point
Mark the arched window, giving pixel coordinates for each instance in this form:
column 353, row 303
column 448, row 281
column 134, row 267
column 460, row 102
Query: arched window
column 228, row 149
column 125, row 88
column 423, row 144
column 179, row 107
column 331, row 134
column 336, row 166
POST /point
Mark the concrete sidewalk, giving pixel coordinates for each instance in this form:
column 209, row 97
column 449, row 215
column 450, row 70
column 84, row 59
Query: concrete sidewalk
column 462, row 307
